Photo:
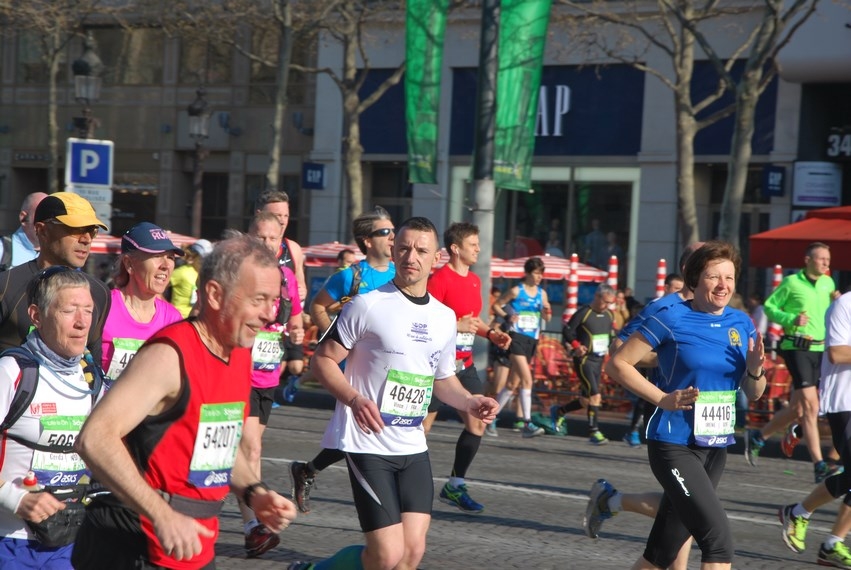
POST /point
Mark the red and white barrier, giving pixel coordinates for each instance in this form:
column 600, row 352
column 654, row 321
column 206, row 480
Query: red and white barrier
column 613, row 272
column 661, row 272
column 775, row 331
column 572, row 289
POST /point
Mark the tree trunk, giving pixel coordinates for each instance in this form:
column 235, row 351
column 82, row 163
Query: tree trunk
column 353, row 153
column 283, row 13
column 747, row 95
column 686, row 130
column 52, row 110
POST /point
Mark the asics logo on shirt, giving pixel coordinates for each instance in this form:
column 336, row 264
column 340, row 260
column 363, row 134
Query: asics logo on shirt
column 681, row 481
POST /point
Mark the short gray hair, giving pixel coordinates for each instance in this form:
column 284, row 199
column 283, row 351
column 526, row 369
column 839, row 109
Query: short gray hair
column 224, row 263
column 43, row 288
column 605, row 289
column 362, row 225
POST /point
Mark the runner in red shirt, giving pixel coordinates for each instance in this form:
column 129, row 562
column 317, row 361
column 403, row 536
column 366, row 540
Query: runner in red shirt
column 460, row 289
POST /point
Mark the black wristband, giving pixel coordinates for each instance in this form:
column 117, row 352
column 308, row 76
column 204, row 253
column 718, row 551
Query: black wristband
column 758, row 376
column 249, row 491
column 488, row 334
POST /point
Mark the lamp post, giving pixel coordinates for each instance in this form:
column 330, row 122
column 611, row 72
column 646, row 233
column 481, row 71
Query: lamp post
column 199, row 123
column 87, row 82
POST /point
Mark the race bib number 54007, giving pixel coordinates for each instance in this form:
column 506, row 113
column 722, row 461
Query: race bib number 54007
column 219, row 432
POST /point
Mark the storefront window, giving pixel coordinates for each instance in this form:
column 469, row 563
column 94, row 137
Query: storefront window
column 263, row 81
column 130, row 56
column 31, row 67
column 205, row 63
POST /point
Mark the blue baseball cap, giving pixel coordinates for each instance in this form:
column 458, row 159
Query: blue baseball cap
column 148, row 238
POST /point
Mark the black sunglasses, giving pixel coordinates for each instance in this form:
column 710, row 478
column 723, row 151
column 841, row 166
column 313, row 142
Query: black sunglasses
column 46, row 274
column 383, row 232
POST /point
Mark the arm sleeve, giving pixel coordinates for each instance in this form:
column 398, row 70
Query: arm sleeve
column 774, row 306
column 568, row 332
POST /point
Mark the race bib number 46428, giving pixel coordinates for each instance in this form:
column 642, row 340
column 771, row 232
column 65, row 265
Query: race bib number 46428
column 406, row 398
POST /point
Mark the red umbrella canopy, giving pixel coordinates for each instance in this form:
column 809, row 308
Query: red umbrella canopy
column 555, row 268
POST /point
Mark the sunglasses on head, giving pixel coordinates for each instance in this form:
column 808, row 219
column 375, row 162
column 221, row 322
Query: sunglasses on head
column 383, row 232
column 46, row 274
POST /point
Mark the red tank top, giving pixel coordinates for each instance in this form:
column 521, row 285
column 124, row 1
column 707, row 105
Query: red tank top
column 188, row 450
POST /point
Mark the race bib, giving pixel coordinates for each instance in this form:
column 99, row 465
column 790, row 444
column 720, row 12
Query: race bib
column 58, row 468
column 464, row 342
column 125, row 350
column 268, row 350
column 219, row 432
column 600, row 344
column 528, row 322
column 406, row 398
column 715, row 419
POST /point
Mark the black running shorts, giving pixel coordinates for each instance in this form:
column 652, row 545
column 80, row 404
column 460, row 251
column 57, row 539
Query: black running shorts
column 385, row 486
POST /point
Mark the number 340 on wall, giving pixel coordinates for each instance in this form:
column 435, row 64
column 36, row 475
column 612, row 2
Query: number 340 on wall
column 839, row 145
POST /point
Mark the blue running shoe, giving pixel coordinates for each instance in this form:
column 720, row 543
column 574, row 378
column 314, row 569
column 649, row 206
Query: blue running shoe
column 554, row 417
column 459, row 497
column 598, row 507
column 632, row 439
column 290, row 389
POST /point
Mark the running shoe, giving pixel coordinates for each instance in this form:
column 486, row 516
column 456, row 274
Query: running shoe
column 531, row 430
column 632, row 439
column 302, row 484
column 491, row 429
column 838, row 557
column 519, row 425
column 301, row 566
column 555, row 417
column 259, row 541
column 598, row 507
column 794, row 529
column 822, row 470
column 290, row 389
column 459, row 497
column 790, row 440
column 753, row 445
column 597, row 438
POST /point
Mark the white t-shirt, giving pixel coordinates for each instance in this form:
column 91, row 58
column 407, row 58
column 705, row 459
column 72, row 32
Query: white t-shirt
column 834, row 395
column 56, row 411
column 396, row 348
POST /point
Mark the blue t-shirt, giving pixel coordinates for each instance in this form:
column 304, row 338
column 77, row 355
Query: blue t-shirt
column 339, row 285
column 649, row 310
column 528, row 310
column 702, row 350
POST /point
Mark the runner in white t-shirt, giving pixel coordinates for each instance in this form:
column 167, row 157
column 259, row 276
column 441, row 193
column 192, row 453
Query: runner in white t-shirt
column 399, row 343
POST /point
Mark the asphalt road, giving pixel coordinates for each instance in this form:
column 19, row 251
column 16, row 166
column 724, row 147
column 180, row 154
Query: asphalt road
column 535, row 493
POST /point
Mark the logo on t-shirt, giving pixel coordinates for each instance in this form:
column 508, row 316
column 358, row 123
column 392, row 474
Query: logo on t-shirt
column 43, row 409
column 735, row 337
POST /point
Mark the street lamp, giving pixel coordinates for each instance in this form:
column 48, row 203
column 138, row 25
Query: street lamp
column 199, row 123
column 87, row 83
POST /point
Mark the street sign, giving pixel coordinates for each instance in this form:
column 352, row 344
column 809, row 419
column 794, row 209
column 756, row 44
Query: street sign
column 88, row 172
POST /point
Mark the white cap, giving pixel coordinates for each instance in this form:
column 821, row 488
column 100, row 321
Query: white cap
column 202, row 247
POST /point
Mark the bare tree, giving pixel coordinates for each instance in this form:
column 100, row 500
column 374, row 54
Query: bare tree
column 52, row 24
column 780, row 20
column 345, row 24
column 677, row 28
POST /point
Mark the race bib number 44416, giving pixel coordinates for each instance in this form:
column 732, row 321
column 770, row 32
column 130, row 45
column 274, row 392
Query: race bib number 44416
column 715, row 418
column 406, row 398
column 219, row 432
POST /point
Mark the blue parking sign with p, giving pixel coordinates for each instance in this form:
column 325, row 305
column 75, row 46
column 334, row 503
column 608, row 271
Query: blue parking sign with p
column 89, row 162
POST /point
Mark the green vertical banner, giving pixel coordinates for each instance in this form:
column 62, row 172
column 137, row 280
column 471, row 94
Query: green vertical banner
column 522, row 37
column 425, row 30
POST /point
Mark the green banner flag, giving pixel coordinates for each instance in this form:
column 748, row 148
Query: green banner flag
column 522, row 37
column 425, row 29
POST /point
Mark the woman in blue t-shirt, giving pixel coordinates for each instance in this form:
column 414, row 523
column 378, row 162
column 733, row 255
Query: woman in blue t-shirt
column 705, row 351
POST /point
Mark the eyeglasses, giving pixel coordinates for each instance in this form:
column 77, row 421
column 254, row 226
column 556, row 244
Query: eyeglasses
column 383, row 232
column 77, row 232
